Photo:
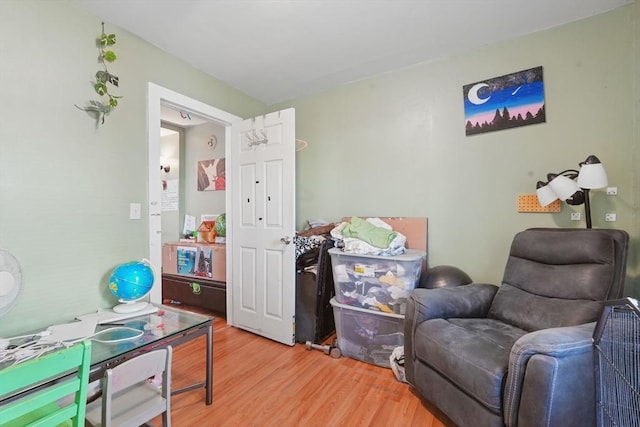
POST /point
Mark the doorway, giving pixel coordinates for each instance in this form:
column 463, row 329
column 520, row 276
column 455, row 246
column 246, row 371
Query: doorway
column 157, row 97
column 189, row 143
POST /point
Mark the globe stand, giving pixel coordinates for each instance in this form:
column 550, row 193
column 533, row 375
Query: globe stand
column 130, row 282
column 130, row 307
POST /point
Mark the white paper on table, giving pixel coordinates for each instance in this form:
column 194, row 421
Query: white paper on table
column 189, row 224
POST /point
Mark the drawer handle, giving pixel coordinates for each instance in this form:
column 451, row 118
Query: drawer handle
column 195, row 288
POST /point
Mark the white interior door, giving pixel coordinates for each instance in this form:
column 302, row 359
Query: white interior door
column 262, row 169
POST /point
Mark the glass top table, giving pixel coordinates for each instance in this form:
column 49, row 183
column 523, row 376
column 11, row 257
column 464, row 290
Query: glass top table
column 168, row 326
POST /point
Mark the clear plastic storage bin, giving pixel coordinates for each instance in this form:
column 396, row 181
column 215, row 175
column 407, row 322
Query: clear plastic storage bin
column 381, row 283
column 366, row 335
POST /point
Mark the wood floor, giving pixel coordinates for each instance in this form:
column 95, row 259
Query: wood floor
column 258, row 382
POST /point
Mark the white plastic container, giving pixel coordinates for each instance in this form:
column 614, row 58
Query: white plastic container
column 366, row 335
column 381, row 283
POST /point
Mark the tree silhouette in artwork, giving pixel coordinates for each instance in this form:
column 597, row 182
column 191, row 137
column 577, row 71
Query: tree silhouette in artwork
column 504, row 120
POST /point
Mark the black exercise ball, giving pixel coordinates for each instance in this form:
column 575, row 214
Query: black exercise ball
column 444, row 275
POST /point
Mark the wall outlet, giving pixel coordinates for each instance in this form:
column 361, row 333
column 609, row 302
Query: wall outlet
column 576, row 216
column 610, row 217
column 612, row 191
column 134, row 211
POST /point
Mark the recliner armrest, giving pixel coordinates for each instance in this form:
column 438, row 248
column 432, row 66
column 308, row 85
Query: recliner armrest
column 559, row 357
column 471, row 300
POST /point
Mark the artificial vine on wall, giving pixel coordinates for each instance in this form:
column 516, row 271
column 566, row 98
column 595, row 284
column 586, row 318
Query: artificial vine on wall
column 104, row 80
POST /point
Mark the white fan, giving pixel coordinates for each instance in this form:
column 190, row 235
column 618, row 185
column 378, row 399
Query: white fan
column 10, row 281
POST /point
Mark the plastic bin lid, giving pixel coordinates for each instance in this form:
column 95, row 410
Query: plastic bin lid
column 335, row 303
column 409, row 255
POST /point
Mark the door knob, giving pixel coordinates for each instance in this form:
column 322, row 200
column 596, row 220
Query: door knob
column 286, row 240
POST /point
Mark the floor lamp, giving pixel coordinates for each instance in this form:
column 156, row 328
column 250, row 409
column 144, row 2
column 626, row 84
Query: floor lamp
column 563, row 185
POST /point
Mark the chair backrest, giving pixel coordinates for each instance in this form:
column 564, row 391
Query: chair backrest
column 130, row 378
column 49, row 403
column 560, row 277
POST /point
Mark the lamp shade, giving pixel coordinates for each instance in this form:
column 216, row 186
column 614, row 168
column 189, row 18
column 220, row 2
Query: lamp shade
column 592, row 174
column 561, row 185
column 545, row 194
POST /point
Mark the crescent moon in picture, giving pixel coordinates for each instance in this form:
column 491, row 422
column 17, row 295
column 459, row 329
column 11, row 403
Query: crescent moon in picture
column 473, row 94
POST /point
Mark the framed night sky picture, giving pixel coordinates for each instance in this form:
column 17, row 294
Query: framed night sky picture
column 504, row 102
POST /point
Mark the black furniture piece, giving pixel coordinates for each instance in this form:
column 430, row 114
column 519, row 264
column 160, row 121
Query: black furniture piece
column 314, row 290
column 195, row 291
column 520, row 354
column 616, row 341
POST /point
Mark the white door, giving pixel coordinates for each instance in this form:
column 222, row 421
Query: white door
column 262, row 161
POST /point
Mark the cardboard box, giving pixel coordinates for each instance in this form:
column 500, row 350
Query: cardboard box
column 218, row 258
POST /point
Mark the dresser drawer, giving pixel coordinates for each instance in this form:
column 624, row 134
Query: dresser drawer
column 208, row 294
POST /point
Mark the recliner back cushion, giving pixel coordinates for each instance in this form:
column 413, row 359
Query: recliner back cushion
column 555, row 278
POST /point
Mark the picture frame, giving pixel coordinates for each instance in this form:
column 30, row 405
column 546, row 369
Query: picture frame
column 504, row 102
column 211, row 175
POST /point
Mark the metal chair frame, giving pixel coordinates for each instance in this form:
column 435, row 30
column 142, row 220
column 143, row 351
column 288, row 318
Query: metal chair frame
column 616, row 341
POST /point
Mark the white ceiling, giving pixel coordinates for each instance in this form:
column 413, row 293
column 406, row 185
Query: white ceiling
column 276, row 50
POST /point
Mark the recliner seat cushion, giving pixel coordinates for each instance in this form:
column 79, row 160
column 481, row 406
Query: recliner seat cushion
column 472, row 353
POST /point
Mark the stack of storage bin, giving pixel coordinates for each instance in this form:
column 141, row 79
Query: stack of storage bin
column 370, row 301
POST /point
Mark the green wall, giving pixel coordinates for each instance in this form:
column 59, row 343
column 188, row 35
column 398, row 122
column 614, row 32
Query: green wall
column 395, row 144
column 197, row 202
column 65, row 186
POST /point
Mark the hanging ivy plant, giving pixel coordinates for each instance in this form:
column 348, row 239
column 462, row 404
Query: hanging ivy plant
column 104, row 80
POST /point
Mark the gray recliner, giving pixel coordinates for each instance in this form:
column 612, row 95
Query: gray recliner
column 519, row 354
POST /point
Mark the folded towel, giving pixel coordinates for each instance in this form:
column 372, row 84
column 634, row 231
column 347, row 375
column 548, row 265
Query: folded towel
column 375, row 236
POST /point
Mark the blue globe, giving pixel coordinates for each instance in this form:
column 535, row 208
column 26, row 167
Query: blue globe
column 131, row 281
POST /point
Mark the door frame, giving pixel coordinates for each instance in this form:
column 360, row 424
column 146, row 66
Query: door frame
column 157, row 95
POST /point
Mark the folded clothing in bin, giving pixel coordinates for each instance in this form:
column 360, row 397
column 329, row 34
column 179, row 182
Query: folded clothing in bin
column 375, row 282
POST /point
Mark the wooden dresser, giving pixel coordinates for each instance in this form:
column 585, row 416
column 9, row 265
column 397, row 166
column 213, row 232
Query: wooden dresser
column 195, row 274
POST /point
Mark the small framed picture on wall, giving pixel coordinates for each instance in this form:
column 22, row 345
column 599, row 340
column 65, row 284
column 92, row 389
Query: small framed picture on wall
column 211, row 175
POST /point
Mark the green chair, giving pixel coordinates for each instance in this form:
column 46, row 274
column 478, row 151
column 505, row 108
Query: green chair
column 54, row 377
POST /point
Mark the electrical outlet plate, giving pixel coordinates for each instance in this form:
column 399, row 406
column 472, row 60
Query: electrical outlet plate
column 610, row 217
column 134, row 210
column 576, row 216
column 612, row 191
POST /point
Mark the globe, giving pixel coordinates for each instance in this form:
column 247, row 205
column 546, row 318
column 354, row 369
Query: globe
column 221, row 225
column 130, row 282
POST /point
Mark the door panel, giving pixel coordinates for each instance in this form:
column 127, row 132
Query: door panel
column 273, row 199
column 263, row 165
column 248, row 198
column 247, row 277
column 273, row 296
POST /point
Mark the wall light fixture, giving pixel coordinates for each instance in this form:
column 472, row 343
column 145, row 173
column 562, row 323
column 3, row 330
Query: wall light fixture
column 166, row 167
